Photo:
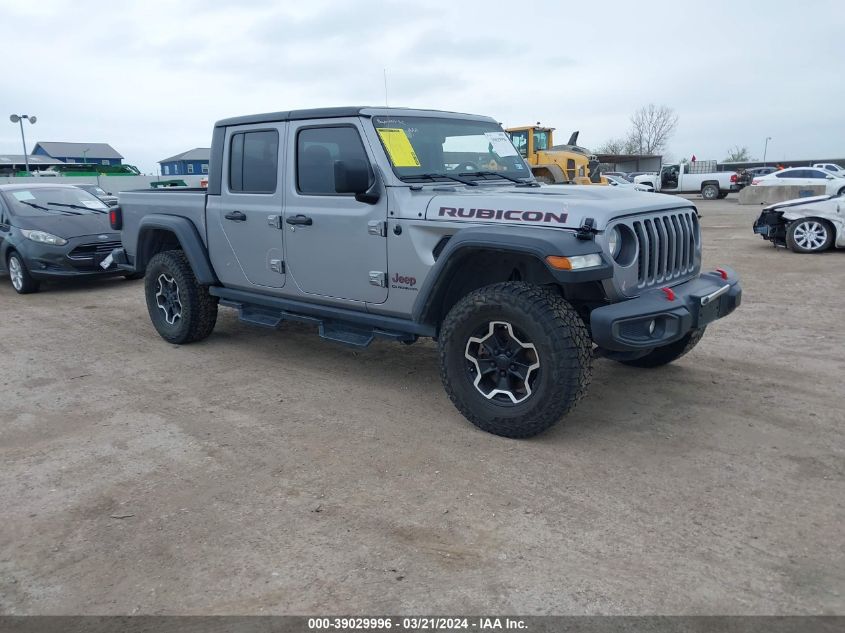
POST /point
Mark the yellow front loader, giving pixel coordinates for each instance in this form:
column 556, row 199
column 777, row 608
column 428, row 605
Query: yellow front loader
column 552, row 164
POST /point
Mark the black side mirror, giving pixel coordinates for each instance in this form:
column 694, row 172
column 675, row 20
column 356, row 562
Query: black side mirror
column 355, row 176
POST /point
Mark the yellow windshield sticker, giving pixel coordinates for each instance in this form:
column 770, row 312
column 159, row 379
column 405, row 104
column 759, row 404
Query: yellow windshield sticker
column 399, row 147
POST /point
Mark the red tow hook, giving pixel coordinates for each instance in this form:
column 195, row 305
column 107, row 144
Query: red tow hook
column 670, row 294
column 723, row 273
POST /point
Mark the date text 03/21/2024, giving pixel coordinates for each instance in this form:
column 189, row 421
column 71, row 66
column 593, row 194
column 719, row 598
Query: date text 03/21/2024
column 415, row 624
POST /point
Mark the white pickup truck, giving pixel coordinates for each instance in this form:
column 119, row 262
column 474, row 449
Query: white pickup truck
column 696, row 177
column 833, row 168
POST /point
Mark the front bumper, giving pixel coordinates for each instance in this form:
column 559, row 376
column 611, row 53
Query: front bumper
column 659, row 317
column 771, row 226
column 80, row 257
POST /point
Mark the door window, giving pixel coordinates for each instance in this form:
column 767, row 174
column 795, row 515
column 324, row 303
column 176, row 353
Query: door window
column 794, row 173
column 541, row 141
column 816, row 173
column 520, row 142
column 317, row 151
column 254, row 162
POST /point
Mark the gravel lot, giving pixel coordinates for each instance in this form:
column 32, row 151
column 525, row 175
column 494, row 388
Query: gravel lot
column 273, row 472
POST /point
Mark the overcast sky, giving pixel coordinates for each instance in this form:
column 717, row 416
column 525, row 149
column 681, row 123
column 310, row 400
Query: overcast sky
column 150, row 78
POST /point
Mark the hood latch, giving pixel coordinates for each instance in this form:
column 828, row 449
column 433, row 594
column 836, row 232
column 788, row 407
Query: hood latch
column 587, row 230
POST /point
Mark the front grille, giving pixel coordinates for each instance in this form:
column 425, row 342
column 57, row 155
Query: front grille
column 667, row 245
column 85, row 252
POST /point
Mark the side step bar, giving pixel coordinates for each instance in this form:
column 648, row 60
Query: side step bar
column 350, row 327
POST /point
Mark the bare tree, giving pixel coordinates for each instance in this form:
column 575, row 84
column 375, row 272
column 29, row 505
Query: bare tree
column 616, row 146
column 651, row 128
column 738, row 154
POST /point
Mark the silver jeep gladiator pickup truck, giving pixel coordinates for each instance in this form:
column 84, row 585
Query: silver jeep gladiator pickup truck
column 399, row 223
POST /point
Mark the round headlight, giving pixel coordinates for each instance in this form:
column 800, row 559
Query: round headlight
column 614, row 241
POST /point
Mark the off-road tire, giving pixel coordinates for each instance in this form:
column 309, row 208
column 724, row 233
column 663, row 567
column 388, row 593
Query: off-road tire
column 562, row 345
column 793, row 244
column 27, row 284
column 668, row 353
column 710, row 191
column 198, row 308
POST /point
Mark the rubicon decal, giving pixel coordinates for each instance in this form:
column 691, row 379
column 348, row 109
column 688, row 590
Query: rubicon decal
column 512, row 215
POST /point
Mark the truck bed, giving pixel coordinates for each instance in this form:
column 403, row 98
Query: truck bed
column 186, row 203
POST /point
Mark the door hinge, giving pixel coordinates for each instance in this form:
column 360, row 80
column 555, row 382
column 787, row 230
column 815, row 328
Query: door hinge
column 277, row 266
column 377, row 227
column 275, row 221
column 378, row 278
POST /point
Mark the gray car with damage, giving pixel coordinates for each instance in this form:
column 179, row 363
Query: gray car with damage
column 401, row 224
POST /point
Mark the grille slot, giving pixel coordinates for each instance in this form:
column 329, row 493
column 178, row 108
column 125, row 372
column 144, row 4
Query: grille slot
column 667, row 244
column 87, row 251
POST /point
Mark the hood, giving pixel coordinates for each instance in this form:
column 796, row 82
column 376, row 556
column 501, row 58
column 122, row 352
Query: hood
column 67, row 226
column 560, row 206
column 796, row 202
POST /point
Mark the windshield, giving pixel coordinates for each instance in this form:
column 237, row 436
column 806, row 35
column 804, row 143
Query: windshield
column 39, row 201
column 422, row 147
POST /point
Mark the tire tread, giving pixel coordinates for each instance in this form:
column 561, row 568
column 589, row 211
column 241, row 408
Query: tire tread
column 571, row 355
column 200, row 305
column 668, row 353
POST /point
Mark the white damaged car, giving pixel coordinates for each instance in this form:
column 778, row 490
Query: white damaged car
column 805, row 225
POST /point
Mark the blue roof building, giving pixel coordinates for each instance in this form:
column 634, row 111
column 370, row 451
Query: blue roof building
column 192, row 162
column 98, row 153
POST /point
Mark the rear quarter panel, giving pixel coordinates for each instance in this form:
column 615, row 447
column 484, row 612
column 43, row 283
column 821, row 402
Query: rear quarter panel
column 188, row 204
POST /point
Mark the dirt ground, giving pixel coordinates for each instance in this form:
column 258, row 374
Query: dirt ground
column 272, row 472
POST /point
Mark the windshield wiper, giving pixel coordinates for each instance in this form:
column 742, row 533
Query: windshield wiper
column 38, row 206
column 75, row 206
column 34, row 206
column 525, row 182
column 435, row 176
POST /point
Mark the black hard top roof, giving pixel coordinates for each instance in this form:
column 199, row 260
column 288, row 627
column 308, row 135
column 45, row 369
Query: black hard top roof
column 333, row 113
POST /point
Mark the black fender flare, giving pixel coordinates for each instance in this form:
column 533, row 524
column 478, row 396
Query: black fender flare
column 536, row 243
column 189, row 239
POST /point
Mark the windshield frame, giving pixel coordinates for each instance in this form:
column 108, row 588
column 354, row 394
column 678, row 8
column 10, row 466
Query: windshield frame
column 426, row 176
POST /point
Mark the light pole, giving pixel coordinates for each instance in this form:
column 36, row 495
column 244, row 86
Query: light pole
column 18, row 118
column 765, row 147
